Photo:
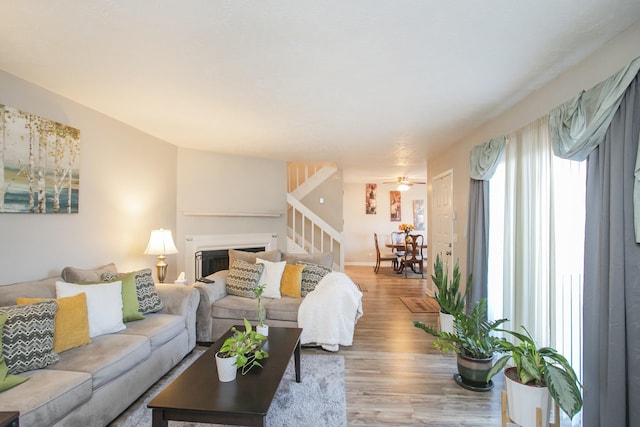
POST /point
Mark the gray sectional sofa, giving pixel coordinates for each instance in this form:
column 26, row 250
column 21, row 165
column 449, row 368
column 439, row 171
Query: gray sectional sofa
column 92, row 384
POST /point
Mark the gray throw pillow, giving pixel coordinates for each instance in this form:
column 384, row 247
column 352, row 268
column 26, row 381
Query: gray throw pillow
column 311, row 276
column 76, row 275
column 148, row 299
column 27, row 336
column 243, row 278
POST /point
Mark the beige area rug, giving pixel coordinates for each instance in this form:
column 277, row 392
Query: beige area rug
column 421, row 304
column 319, row 399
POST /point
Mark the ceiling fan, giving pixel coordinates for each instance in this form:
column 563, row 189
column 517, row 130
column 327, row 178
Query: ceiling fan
column 404, row 183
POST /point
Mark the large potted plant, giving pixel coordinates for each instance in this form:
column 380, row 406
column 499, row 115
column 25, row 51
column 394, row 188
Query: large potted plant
column 448, row 294
column 242, row 350
column 540, row 374
column 474, row 344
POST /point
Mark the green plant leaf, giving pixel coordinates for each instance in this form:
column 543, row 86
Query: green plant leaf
column 564, row 390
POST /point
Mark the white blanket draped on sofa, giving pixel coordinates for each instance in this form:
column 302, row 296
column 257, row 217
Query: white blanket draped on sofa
column 328, row 315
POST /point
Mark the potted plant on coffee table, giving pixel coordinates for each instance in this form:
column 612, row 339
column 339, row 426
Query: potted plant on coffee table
column 542, row 374
column 242, row 350
column 448, row 294
column 474, row 344
column 262, row 328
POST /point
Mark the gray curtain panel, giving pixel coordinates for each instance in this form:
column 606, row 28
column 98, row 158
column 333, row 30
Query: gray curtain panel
column 611, row 308
column 478, row 240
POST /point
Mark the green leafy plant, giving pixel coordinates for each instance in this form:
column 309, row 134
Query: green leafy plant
column 258, row 292
column 541, row 367
column 472, row 336
column 246, row 345
column 448, row 294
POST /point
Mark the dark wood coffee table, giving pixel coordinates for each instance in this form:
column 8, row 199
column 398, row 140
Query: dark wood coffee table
column 198, row 396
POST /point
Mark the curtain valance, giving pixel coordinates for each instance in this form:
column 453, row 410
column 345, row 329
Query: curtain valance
column 578, row 126
column 486, row 157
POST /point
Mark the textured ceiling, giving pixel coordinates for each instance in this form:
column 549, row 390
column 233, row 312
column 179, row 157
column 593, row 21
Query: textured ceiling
column 374, row 85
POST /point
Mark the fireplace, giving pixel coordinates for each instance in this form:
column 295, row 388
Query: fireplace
column 207, row 253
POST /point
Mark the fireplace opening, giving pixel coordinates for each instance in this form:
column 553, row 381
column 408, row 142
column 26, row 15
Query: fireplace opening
column 208, row 262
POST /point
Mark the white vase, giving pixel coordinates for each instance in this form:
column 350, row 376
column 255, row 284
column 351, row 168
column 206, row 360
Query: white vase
column 522, row 401
column 263, row 330
column 227, row 369
column 446, row 322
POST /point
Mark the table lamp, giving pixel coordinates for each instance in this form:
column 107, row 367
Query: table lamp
column 161, row 244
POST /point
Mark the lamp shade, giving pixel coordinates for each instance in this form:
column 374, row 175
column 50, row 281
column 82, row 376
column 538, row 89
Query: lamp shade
column 403, row 187
column 161, row 243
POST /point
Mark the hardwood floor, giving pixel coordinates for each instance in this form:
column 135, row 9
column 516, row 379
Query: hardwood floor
column 393, row 374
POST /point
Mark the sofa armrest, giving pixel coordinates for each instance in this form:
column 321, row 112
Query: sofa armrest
column 183, row 301
column 209, row 293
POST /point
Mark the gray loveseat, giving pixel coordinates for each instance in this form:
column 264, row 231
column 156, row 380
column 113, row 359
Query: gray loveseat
column 218, row 311
column 92, row 384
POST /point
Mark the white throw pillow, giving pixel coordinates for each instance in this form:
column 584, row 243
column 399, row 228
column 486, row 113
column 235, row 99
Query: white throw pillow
column 104, row 304
column 271, row 275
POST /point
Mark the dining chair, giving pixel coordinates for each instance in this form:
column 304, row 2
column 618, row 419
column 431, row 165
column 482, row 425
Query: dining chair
column 386, row 257
column 413, row 254
column 397, row 237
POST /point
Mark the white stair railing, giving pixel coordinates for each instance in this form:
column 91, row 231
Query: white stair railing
column 306, row 230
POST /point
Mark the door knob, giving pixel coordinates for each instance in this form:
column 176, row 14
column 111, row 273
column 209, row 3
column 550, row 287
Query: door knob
column 448, row 253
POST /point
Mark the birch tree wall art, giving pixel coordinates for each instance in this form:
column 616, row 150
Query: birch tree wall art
column 40, row 164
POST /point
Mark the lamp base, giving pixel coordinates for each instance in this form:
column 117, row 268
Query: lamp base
column 162, row 268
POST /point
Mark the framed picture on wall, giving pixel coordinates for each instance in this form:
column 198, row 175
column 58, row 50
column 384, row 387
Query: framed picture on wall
column 418, row 214
column 395, row 205
column 371, row 205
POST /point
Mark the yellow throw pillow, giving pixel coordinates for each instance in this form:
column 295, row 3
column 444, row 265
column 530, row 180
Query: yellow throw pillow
column 291, row 281
column 72, row 321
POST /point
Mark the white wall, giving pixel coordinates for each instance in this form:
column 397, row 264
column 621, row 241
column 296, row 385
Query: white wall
column 127, row 188
column 359, row 227
column 214, row 182
column 594, row 69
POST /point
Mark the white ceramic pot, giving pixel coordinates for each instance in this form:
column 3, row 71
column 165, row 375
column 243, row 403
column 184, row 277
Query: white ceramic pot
column 522, row 401
column 446, row 322
column 227, row 369
column 263, row 330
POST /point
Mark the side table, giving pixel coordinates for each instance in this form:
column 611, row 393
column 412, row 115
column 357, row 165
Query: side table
column 9, row 419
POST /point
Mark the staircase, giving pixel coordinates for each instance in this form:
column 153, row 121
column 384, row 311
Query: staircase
column 306, row 231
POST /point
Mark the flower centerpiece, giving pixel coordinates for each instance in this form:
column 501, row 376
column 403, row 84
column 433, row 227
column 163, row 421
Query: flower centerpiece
column 406, row 228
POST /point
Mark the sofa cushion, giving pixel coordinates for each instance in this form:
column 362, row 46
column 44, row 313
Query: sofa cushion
column 158, row 327
column 104, row 305
column 324, row 258
column 45, row 288
column 250, row 257
column 71, row 321
column 75, row 275
column 243, row 278
column 107, row 357
column 285, row 308
column 311, row 276
column 291, row 282
column 235, row 307
column 7, row 380
column 48, row 396
column 27, row 336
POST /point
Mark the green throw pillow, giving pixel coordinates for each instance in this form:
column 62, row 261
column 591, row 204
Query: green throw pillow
column 130, row 309
column 7, row 380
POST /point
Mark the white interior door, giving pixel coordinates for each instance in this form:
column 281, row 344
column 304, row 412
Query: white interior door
column 442, row 227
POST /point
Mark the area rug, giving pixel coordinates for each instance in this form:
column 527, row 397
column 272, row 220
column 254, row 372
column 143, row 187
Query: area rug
column 421, row 304
column 319, row 399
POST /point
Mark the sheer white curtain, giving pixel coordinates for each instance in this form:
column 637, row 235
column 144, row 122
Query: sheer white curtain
column 536, row 240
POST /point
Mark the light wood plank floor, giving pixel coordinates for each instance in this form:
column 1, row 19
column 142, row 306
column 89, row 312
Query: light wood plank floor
column 393, row 374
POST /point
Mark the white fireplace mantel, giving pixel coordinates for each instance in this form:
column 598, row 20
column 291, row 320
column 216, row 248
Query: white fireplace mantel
column 212, row 242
